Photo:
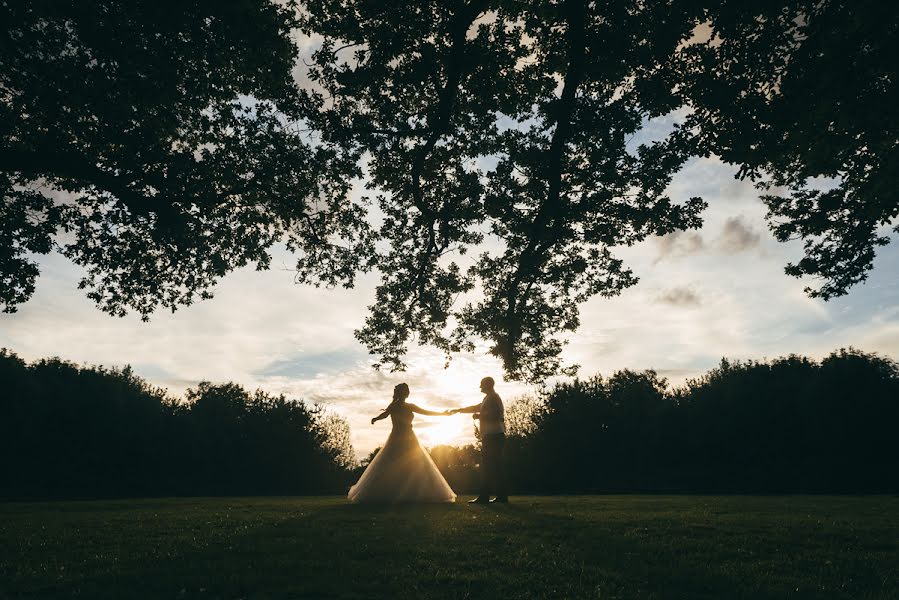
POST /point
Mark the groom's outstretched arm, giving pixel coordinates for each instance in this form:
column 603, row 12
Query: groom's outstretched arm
column 468, row 409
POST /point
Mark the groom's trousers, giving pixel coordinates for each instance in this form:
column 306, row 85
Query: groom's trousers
column 493, row 471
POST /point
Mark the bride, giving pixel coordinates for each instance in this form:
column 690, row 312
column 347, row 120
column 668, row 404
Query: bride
column 402, row 471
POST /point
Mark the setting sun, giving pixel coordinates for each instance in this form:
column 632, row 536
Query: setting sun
column 454, row 430
column 437, row 388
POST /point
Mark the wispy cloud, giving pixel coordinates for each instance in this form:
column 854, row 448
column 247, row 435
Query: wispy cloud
column 311, row 364
column 678, row 243
column 680, row 296
column 737, row 236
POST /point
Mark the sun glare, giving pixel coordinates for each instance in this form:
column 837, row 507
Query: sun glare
column 436, row 388
column 454, row 430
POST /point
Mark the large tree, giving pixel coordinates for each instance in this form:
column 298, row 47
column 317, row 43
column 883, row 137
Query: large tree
column 493, row 135
column 174, row 132
column 501, row 126
column 504, row 126
column 798, row 92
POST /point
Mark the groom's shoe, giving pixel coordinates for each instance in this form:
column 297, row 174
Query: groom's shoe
column 479, row 500
column 500, row 500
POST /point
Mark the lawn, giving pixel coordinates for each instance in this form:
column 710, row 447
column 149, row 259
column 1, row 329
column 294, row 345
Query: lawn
column 536, row 547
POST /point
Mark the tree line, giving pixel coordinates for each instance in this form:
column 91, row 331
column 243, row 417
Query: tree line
column 791, row 424
column 71, row 431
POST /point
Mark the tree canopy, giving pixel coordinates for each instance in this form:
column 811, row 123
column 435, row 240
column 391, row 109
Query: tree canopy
column 174, row 129
column 493, row 137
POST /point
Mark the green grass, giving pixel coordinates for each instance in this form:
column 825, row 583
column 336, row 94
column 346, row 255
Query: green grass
column 536, row 547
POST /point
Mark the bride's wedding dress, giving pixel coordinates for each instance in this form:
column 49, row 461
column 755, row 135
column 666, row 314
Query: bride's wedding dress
column 402, row 471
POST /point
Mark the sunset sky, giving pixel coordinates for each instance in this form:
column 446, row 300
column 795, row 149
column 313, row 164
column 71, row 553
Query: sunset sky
column 720, row 291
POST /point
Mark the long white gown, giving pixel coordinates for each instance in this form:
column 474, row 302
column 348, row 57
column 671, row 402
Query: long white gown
column 402, row 471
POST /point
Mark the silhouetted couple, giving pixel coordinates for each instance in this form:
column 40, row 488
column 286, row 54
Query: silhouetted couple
column 404, row 472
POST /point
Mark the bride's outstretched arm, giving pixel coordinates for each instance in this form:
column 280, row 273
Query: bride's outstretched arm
column 425, row 411
column 383, row 415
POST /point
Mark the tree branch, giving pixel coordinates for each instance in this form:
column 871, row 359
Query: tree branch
column 437, row 125
column 552, row 210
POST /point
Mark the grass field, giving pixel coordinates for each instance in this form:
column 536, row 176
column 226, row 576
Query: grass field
column 536, row 547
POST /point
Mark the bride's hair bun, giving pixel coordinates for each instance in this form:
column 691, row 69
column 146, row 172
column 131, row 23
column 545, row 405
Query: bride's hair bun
column 400, row 391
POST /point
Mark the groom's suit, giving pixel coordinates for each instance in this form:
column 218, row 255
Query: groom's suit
column 493, row 442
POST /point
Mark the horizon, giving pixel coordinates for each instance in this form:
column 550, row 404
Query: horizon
column 441, row 432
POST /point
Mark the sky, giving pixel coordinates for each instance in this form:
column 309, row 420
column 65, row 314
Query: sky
column 703, row 295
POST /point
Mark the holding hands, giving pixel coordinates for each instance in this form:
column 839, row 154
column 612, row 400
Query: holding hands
column 455, row 411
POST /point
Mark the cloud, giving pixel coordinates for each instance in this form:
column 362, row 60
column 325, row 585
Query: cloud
column 311, row 364
column 679, row 243
column 737, row 236
column 679, row 376
column 306, row 45
column 679, row 296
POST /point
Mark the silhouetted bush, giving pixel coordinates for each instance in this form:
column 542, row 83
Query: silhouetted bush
column 72, row 431
column 788, row 425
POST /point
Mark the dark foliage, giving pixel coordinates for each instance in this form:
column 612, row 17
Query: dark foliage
column 166, row 139
column 458, row 464
column 789, row 425
column 797, row 90
column 509, row 122
column 89, row 432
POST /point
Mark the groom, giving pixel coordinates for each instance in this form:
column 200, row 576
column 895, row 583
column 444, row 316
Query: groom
column 493, row 439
